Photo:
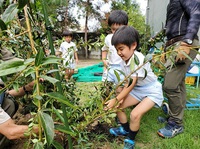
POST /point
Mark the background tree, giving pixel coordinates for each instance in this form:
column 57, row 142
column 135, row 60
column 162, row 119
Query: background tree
column 90, row 10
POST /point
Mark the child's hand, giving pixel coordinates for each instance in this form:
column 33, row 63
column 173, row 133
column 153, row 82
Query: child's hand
column 105, row 63
column 110, row 104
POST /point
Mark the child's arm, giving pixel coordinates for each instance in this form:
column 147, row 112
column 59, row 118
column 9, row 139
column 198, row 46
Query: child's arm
column 104, row 58
column 126, row 90
column 76, row 56
column 22, row 90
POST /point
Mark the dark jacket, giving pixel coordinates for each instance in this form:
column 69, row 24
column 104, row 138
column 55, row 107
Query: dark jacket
column 183, row 19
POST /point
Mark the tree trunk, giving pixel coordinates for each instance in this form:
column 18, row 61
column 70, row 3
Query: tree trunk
column 66, row 15
column 86, row 29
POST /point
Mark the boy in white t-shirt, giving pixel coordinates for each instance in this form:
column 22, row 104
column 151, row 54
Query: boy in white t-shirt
column 144, row 91
column 110, row 58
column 69, row 54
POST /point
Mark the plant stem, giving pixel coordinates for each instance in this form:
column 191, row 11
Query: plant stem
column 58, row 84
column 29, row 30
column 39, row 102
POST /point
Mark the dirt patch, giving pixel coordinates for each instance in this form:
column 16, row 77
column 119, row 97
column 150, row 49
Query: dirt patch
column 87, row 62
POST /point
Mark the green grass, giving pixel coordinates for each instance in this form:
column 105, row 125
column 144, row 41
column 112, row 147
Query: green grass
column 147, row 137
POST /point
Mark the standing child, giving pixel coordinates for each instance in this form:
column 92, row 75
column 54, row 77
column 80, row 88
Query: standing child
column 110, row 58
column 144, row 92
column 69, row 54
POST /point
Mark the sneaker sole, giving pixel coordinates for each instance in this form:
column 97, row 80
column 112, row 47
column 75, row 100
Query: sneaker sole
column 167, row 137
column 161, row 135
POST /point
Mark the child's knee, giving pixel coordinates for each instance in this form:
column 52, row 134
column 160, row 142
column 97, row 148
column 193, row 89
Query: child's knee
column 135, row 116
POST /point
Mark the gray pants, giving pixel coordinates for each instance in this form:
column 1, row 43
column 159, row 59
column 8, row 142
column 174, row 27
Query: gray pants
column 174, row 87
column 9, row 107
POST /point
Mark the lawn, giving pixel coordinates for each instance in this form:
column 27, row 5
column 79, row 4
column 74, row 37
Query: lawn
column 147, row 137
column 96, row 135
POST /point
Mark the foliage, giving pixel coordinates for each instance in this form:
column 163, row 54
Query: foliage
column 37, row 66
column 51, row 105
column 92, row 44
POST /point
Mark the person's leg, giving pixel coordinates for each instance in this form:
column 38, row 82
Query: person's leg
column 71, row 72
column 127, row 102
column 136, row 114
column 67, row 72
column 135, row 118
column 124, row 128
column 176, row 94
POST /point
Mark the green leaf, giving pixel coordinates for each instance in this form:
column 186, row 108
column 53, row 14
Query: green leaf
column 58, row 115
column 10, row 13
column 38, row 145
column 51, row 60
column 2, row 25
column 117, row 75
column 11, row 70
column 132, row 65
column 145, row 74
column 10, row 64
column 52, row 71
column 28, row 61
column 60, row 98
column 57, row 145
column 22, row 3
column 39, row 57
column 161, row 64
column 186, row 55
column 29, row 71
column 130, row 81
column 136, row 60
column 121, row 72
column 62, row 128
column 50, row 79
column 38, row 97
column 48, row 126
column 16, row 86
